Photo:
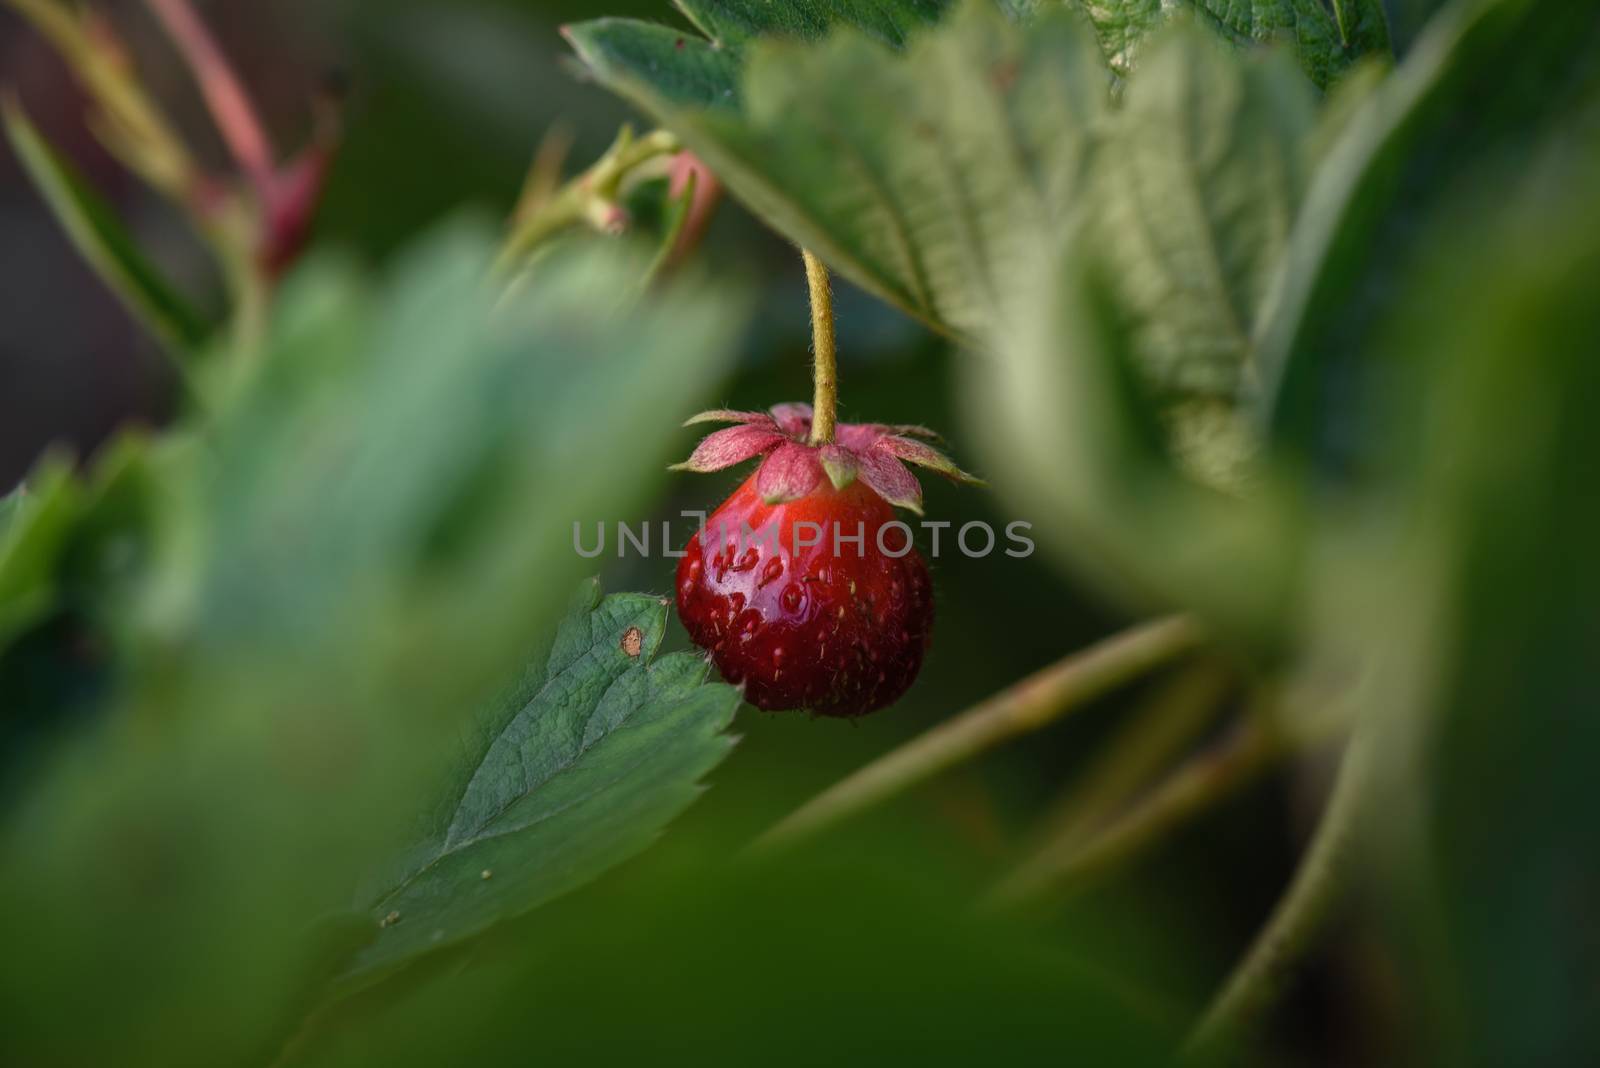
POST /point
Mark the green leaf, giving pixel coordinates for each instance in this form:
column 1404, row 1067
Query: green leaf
column 586, row 759
column 1197, row 188
column 932, row 180
column 1484, row 105
column 101, row 239
column 1325, row 42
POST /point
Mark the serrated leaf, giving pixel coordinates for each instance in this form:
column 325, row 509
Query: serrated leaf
column 930, row 180
column 100, row 238
column 1325, row 42
column 1485, row 105
column 601, row 749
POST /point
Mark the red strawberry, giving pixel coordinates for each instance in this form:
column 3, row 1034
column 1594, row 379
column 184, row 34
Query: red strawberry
column 777, row 587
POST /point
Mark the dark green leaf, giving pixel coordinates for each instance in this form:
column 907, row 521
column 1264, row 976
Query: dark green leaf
column 101, row 239
column 1325, row 42
column 586, row 759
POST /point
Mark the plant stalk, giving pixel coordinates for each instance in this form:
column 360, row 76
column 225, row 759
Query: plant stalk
column 1033, row 703
column 590, row 199
column 1300, row 917
column 825, row 369
column 1196, row 787
column 1149, row 744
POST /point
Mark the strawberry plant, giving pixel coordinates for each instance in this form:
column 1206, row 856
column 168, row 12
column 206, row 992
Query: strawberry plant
column 1241, row 713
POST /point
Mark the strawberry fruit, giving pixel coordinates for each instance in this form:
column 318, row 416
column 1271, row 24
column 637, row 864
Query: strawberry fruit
column 801, row 585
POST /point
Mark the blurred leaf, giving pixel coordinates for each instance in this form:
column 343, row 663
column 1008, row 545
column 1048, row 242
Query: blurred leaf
column 1494, row 85
column 930, row 180
column 839, row 961
column 586, row 758
column 1479, row 558
column 101, row 239
column 378, row 522
column 1074, row 443
column 1197, row 188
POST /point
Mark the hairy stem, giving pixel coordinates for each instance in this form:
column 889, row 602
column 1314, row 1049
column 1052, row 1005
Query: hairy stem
column 1300, row 917
column 1031, row 704
column 825, row 370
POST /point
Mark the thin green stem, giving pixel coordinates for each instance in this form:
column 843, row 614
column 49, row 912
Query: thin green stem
column 1030, row 705
column 1150, row 742
column 1301, row 915
column 1197, row 787
column 825, row 368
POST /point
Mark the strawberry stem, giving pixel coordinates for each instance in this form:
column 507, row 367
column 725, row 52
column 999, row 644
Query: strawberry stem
column 825, row 368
